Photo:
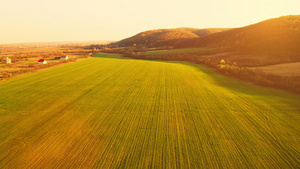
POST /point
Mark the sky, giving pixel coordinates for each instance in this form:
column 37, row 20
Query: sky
column 112, row 20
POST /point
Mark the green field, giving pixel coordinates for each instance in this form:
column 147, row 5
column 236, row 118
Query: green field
column 184, row 50
column 105, row 112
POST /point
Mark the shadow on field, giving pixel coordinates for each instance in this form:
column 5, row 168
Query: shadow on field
column 109, row 55
column 236, row 85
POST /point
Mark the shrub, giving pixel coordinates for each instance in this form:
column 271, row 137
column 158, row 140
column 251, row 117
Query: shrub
column 6, row 75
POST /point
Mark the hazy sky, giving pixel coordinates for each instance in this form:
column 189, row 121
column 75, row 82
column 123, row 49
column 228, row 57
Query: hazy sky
column 84, row 20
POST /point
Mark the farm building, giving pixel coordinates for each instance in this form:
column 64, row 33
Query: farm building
column 42, row 61
column 57, row 58
column 64, row 57
column 6, row 60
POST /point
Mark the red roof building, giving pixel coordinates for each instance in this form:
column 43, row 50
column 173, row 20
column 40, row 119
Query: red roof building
column 42, row 61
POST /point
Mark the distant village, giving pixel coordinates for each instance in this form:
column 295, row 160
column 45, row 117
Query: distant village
column 7, row 60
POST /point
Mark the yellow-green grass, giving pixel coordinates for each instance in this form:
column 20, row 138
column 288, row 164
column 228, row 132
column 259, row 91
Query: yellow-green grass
column 184, row 50
column 104, row 112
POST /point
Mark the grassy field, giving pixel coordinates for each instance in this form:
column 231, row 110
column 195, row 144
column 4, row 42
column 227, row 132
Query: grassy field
column 184, row 50
column 105, row 112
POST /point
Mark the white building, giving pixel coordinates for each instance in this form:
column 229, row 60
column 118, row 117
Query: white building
column 6, row 60
column 64, row 57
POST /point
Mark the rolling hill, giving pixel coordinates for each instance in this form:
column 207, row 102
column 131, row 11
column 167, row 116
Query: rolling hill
column 271, row 36
column 277, row 35
column 273, row 41
column 161, row 36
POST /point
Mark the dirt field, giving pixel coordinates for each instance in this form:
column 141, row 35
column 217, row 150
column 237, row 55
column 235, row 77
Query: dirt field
column 25, row 58
column 287, row 69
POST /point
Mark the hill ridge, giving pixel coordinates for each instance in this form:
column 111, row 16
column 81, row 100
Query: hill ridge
column 157, row 37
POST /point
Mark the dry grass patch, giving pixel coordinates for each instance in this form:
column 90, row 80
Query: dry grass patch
column 287, row 69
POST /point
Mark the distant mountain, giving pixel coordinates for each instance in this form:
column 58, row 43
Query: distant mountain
column 159, row 37
column 271, row 36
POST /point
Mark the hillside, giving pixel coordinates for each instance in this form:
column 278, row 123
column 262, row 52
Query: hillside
column 277, row 35
column 204, row 32
column 159, row 37
column 273, row 41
